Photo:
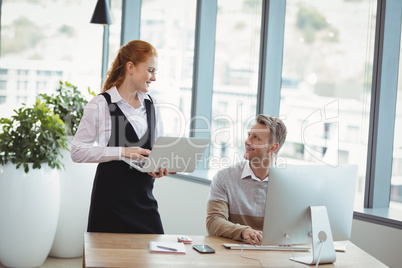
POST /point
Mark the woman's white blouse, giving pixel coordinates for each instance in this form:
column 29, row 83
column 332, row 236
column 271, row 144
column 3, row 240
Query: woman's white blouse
column 93, row 134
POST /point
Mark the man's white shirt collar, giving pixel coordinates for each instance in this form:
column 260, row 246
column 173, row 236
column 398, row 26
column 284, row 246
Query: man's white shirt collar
column 247, row 171
column 115, row 96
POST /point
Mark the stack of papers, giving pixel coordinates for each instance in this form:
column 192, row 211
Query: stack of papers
column 165, row 247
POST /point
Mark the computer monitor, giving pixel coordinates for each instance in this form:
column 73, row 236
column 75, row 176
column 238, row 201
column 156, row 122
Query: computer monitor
column 310, row 204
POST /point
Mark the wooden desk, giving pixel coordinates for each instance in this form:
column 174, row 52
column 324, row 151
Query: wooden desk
column 131, row 250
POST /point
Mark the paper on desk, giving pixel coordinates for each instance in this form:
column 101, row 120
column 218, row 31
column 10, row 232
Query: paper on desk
column 153, row 247
column 340, row 246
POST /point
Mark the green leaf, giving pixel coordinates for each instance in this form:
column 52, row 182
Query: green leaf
column 27, row 136
column 69, row 103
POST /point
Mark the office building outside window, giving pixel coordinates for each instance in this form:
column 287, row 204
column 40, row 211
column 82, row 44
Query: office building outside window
column 114, row 30
column 235, row 84
column 326, row 82
column 170, row 27
column 43, row 42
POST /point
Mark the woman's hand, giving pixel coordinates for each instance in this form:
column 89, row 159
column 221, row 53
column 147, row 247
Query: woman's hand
column 160, row 173
column 135, row 152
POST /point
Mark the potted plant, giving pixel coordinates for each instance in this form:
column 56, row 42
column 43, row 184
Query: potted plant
column 75, row 180
column 30, row 144
column 69, row 103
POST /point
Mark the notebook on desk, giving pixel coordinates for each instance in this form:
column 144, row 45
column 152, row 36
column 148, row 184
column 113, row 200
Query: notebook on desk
column 177, row 154
column 165, row 247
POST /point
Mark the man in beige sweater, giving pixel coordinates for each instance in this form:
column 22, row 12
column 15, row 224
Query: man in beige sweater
column 237, row 196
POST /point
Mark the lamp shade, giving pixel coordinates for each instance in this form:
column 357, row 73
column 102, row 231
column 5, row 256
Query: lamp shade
column 102, row 13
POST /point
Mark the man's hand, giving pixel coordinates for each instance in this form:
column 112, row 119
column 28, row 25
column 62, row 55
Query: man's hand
column 252, row 236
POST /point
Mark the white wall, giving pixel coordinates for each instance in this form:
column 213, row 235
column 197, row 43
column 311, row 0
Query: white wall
column 182, row 205
column 384, row 243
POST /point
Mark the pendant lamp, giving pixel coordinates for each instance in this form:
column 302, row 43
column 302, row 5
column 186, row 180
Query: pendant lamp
column 102, row 13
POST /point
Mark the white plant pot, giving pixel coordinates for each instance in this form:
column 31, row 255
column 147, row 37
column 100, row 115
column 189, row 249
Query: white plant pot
column 75, row 195
column 29, row 210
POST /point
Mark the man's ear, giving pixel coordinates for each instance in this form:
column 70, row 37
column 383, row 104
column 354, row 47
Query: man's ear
column 274, row 147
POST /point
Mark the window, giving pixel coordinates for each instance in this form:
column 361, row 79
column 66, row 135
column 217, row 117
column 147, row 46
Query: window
column 114, row 30
column 22, row 72
column 43, row 73
column 170, row 26
column 327, row 70
column 41, row 44
column 3, row 71
column 41, row 86
column 22, row 85
column 21, row 99
column 3, row 84
column 396, row 180
column 235, row 77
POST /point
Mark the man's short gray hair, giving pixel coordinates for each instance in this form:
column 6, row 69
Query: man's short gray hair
column 276, row 126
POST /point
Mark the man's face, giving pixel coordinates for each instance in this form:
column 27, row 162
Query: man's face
column 258, row 148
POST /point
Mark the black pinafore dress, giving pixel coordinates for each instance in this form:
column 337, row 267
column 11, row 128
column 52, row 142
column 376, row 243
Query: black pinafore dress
column 122, row 200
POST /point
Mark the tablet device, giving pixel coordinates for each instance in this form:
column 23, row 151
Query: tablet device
column 177, row 154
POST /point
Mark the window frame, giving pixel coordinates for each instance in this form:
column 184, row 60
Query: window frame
column 271, row 50
column 383, row 100
column 383, row 104
column 384, row 88
column 382, row 118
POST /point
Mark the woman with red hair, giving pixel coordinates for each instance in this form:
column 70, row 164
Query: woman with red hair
column 122, row 121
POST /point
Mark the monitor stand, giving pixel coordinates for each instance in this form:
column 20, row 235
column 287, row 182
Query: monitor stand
column 321, row 238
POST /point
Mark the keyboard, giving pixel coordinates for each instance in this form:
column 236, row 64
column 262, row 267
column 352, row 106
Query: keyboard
column 262, row 247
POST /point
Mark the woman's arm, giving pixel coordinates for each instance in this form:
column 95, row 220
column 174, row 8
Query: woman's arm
column 90, row 142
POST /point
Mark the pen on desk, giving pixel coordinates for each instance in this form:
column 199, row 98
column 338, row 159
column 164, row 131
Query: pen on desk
column 172, row 249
